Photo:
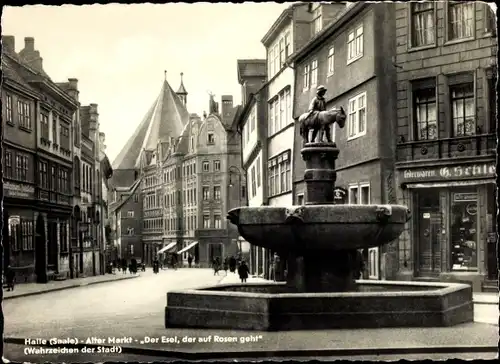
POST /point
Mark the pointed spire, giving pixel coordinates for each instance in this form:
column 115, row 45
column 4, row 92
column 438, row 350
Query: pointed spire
column 182, row 89
column 165, row 72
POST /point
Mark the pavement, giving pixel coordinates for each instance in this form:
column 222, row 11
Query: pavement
column 134, row 309
column 29, row 289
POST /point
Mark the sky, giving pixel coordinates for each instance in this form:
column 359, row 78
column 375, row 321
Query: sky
column 119, row 52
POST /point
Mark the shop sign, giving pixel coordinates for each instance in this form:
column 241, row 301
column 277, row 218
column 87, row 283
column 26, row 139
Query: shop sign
column 18, row 190
column 339, row 195
column 461, row 197
column 471, row 209
column 470, row 171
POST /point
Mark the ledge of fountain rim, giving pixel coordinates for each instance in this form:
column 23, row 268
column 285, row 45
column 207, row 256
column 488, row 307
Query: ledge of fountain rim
column 320, row 214
column 320, row 146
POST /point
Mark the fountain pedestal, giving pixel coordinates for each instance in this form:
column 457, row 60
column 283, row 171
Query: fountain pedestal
column 318, row 270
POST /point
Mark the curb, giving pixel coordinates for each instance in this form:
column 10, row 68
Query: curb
column 76, row 285
column 485, row 303
column 285, row 353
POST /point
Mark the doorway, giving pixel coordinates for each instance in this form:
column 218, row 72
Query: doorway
column 40, row 250
column 428, row 229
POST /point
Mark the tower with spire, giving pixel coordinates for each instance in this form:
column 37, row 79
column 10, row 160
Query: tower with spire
column 181, row 92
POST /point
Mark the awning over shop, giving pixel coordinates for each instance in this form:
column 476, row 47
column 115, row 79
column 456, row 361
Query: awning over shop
column 167, row 248
column 187, row 248
column 450, row 184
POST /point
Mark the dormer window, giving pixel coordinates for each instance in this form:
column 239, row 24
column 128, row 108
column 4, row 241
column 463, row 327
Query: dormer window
column 192, row 144
column 210, row 138
column 317, row 20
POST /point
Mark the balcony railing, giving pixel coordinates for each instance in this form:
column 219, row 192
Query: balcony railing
column 465, row 146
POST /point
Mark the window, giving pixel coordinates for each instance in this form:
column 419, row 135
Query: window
column 287, row 45
column 64, row 136
column 63, row 180
column 136, row 198
column 210, row 138
column 288, row 101
column 460, row 20
column 14, row 233
column 276, row 59
column 53, row 178
column 217, row 222
column 425, row 113
column 270, row 57
column 8, row 170
column 44, row 174
column 276, row 110
column 300, row 199
column 21, row 167
column 280, row 174
column 359, row 194
column 462, row 104
column 130, row 232
column 76, row 134
column 422, row 24
column 271, row 119
column 258, row 168
column 130, row 214
column 44, row 125
column 306, row 75
column 355, row 44
column 331, row 61
column 253, row 119
column 206, row 221
column 314, row 73
column 27, row 234
column 357, row 116
column 254, row 182
column 282, row 52
column 54, row 129
column 206, row 193
column 8, row 109
column 317, row 22
column 217, row 192
column 64, row 236
column 24, row 114
column 464, row 228
column 490, row 20
column 206, row 166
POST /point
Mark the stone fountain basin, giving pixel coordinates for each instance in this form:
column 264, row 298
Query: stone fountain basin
column 320, row 227
column 268, row 306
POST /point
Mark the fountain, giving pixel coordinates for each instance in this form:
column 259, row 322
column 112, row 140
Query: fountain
column 319, row 241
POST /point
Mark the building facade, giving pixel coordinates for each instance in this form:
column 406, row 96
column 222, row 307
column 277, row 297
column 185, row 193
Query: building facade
column 176, row 177
column 41, row 135
column 252, row 124
column 447, row 121
column 351, row 57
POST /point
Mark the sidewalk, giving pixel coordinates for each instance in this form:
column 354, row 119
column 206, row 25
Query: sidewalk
column 29, row 289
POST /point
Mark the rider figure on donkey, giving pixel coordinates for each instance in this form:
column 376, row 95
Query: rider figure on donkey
column 319, row 102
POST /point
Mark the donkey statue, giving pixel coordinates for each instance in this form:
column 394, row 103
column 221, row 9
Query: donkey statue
column 320, row 121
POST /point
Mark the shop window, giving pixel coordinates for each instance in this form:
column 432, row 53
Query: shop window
column 464, row 232
column 27, row 234
column 14, row 223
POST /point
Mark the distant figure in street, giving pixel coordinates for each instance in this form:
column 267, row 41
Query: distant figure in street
column 124, row 265
column 156, row 266
column 190, row 260
column 232, row 264
column 226, row 265
column 10, row 277
column 243, row 271
column 216, row 266
column 133, row 266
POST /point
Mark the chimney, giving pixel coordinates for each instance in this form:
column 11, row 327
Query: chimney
column 9, row 43
column 29, row 44
column 73, row 88
column 227, row 108
column 93, row 116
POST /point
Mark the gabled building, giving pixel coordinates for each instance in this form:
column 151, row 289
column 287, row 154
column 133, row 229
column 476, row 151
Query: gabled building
column 446, row 152
column 352, row 57
column 177, row 186
column 252, row 124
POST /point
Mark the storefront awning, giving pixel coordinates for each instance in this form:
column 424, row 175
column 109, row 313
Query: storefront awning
column 450, row 184
column 187, row 248
column 167, row 248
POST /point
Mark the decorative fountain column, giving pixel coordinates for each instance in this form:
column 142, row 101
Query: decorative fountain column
column 319, row 270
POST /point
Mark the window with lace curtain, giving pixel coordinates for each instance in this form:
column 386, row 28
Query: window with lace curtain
column 422, row 24
column 460, row 20
column 425, row 113
column 463, row 113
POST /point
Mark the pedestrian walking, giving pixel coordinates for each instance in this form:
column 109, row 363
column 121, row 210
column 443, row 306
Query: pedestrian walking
column 232, row 264
column 10, row 277
column 226, row 264
column 243, row 271
column 190, row 260
column 124, row 265
column 215, row 265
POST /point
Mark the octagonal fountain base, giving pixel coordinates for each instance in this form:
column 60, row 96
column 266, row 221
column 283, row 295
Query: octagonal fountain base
column 270, row 307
